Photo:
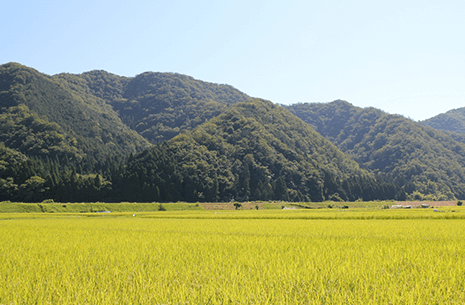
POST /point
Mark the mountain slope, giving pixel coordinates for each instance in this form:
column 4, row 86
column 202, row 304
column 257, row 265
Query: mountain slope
column 41, row 116
column 221, row 145
column 92, row 117
column 453, row 120
column 424, row 160
column 256, row 150
column 157, row 105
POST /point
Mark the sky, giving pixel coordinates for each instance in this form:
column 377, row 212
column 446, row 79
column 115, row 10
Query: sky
column 404, row 57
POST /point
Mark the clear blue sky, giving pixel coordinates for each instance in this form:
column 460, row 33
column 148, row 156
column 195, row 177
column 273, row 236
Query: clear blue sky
column 401, row 56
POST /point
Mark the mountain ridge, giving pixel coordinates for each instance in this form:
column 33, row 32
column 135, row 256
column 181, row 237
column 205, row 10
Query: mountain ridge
column 256, row 150
column 395, row 148
column 82, row 132
column 451, row 121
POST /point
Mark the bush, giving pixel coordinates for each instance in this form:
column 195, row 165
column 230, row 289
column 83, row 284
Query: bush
column 161, row 207
column 459, row 203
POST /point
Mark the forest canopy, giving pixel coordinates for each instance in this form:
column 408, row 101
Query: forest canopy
column 169, row 137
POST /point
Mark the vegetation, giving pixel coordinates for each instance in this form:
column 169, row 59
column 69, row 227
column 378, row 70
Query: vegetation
column 156, row 105
column 41, row 117
column 167, row 137
column 98, row 118
column 428, row 164
column 242, row 257
column 71, row 131
column 453, row 120
column 48, row 206
column 255, row 151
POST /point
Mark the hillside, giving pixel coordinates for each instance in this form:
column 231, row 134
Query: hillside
column 428, row 163
column 453, row 120
column 97, row 116
column 156, row 105
column 170, row 137
column 254, row 151
column 42, row 117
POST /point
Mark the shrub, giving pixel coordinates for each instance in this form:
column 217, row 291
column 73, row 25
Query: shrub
column 459, row 203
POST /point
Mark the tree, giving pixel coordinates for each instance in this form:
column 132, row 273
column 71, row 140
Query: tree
column 280, row 189
column 32, row 189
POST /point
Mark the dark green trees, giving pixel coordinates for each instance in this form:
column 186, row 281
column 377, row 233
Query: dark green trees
column 396, row 149
column 57, row 117
column 86, row 138
column 255, row 151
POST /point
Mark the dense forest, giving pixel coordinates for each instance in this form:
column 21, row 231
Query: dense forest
column 156, row 105
column 426, row 162
column 453, row 120
column 164, row 137
column 42, row 117
column 254, row 151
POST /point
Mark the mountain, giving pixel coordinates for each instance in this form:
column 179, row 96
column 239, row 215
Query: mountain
column 428, row 163
column 71, row 129
column 40, row 116
column 169, row 137
column 95, row 116
column 254, row 151
column 453, row 120
column 156, row 105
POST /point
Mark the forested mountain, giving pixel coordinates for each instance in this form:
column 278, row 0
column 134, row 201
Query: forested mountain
column 426, row 162
column 156, row 105
column 452, row 120
column 93, row 116
column 257, row 150
column 70, row 129
column 169, row 137
column 40, row 116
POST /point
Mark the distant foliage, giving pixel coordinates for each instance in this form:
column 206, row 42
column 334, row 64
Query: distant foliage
column 31, row 180
column 163, row 137
column 50, row 117
column 156, row 105
column 255, row 151
column 26, row 132
column 453, row 120
column 418, row 158
column 159, row 105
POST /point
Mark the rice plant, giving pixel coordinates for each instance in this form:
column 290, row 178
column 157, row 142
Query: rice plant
column 257, row 258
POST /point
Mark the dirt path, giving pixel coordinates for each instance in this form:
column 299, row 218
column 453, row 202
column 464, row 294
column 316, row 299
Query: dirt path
column 431, row 203
column 230, row 205
column 252, row 205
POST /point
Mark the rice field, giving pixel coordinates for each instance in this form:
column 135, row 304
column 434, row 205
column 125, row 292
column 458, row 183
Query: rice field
column 234, row 257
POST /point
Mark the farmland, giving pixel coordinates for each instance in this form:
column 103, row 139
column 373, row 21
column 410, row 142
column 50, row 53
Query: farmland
column 354, row 256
